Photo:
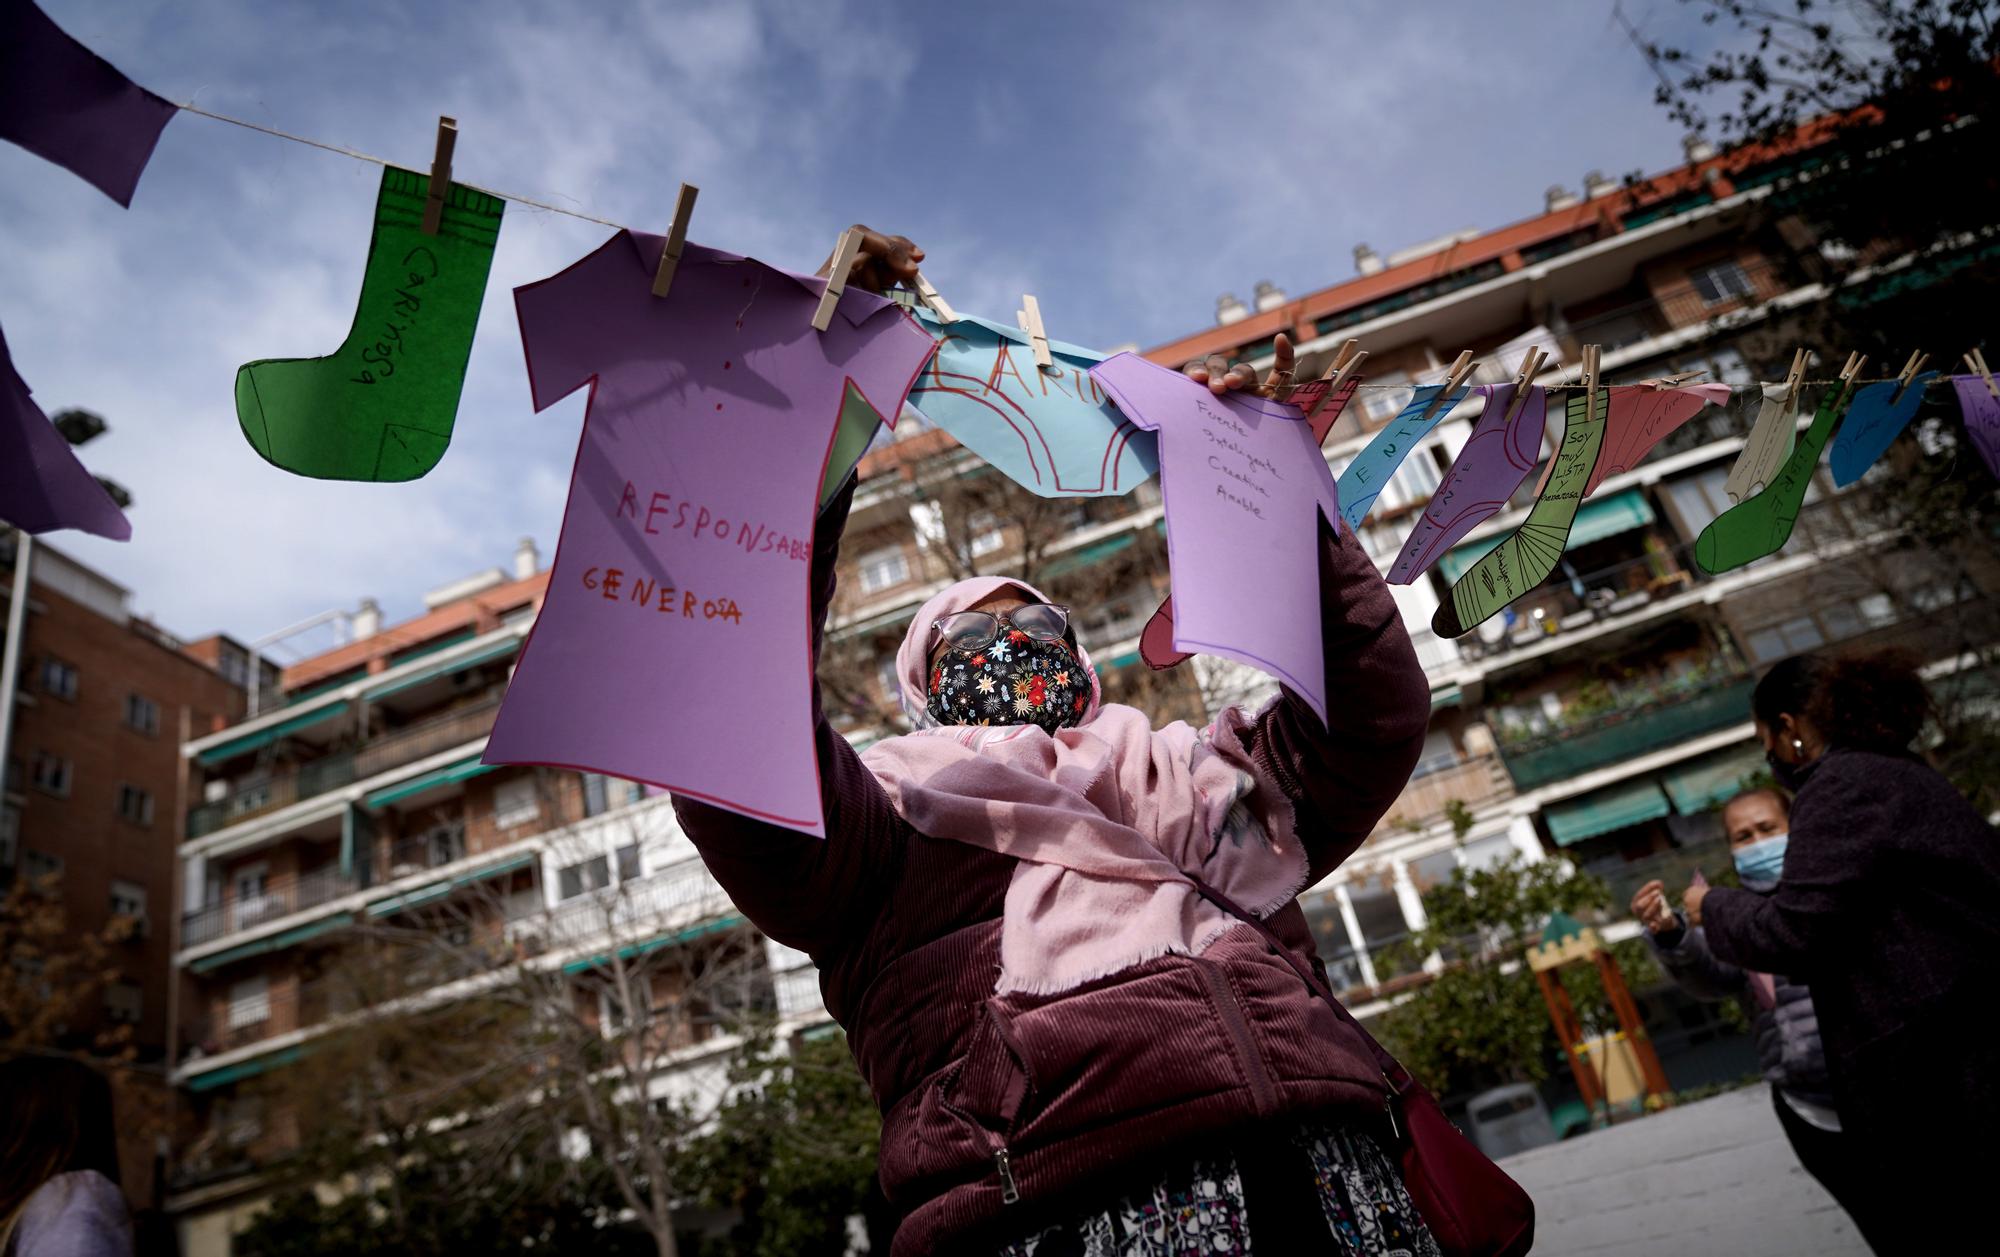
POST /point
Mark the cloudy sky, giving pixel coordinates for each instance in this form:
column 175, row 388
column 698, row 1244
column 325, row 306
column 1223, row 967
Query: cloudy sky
column 1125, row 162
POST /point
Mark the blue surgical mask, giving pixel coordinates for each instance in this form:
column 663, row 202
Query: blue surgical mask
column 1761, row 863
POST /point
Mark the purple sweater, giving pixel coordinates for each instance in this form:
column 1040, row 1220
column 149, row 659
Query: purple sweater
column 995, row 1107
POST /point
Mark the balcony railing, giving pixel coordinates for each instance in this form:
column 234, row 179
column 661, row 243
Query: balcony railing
column 280, row 896
column 1629, row 731
column 330, row 772
column 682, row 893
column 1479, row 780
column 280, row 1010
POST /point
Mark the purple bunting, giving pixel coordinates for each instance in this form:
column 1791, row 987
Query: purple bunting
column 61, row 101
column 42, row 485
column 1981, row 408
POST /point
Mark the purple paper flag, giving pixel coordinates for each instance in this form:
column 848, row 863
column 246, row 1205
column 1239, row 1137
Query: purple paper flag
column 1641, row 417
column 674, row 645
column 42, row 485
column 1981, row 409
column 1244, row 488
column 62, row 101
column 1497, row 457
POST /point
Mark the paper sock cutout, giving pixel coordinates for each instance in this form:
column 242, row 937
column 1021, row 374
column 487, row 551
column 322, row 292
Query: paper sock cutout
column 1244, row 487
column 1768, row 446
column 1526, row 557
column 1497, row 457
column 42, row 485
column 61, row 101
column 1156, row 640
column 1641, row 417
column 1053, row 432
column 381, row 407
column 1981, row 410
column 1762, row 523
column 1878, row 416
column 1372, row 468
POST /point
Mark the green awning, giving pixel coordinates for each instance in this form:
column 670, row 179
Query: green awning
column 493, row 650
column 727, row 921
column 1449, row 696
column 273, row 942
column 1084, row 557
column 1125, row 660
column 1599, row 518
column 436, row 777
column 264, row 737
column 429, row 894
column 1701, row 784
column 1602, row 811
column 245, row 1069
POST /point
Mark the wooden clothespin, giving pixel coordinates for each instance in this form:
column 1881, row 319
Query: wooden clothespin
column 836, row 279
column 1593, row 356
column 935, row 302
column 1522, row 382
column 1677, row 379
column 1977, row 361
column 440, row 175
column 1031, row 322
column 1852, row 371
column 1916, row 363
column 670, row 257
column 1796, row 376
column 1460, row 369
column 1338, row 373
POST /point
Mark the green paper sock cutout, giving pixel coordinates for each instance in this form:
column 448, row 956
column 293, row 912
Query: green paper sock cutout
column 1762, row 524
column 859, row 423
column 381, row 406
column 1525, row 559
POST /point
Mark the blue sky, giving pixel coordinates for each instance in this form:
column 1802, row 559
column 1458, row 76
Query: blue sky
column 1125, row 162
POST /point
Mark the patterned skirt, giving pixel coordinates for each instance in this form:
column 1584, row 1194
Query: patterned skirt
column 1330, row 1190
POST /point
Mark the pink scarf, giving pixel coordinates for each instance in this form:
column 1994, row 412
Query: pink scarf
column 1106, row 819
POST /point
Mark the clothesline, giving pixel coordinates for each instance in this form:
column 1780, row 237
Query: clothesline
column 605, row 222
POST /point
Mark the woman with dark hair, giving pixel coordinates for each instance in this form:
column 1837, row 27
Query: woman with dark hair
column 1886, row 907
column 59, row 1192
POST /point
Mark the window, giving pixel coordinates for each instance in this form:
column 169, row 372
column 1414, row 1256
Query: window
column 1699, row 499
column 249, row 1002
column 1435, row 869
column 1789, row 637
column 628, row 861
column 889, row 677
column 135, row 805
column 1719, row 282
column 1382, row 399
column 142, row 714
column 52, row 774
column 1438, row 754
column 123, row 1002
column 591, row 874
column 59, row 678
column 128, row 899
column 986, row 534
column 884, row 569
column 40, row 864
column 516, row 802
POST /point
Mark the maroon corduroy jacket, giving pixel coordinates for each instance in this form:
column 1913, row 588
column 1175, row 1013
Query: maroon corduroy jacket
column 991, row 1104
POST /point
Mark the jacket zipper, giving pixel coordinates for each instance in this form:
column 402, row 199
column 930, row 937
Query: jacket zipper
column 1263, row 1092
column 1010, row 1193
column 1389, row 1107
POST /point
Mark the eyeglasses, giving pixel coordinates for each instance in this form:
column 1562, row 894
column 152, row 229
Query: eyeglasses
column 975, row 630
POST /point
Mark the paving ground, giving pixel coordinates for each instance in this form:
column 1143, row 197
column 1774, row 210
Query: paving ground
column 1716, row 1178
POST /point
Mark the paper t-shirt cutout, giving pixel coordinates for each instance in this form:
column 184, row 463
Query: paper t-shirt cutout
column 1054, row 432
column 1497, row 457
column 674, row 644
column 1243, row 487
column 61, row 101
column 1981, row 410
column 1372, row 468
column 1526, row 556
column 1878, row 416
column 1641, row 417
column 1156, row 640
column 1769, row 444
column 381, row 407
column 1762, row 523
column 42, row 485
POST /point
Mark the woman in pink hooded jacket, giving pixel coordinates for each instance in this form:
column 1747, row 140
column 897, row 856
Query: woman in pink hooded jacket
column 1074, row 1051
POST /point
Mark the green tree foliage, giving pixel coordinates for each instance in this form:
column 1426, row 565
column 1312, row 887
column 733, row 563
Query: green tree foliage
column 1481, row 1020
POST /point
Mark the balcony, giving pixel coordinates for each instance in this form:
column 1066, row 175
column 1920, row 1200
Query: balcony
column 281, row 896
column 285, row 787
column 1479, row 780
column 637, row 910
column 1646, row 721
column 279, row 1011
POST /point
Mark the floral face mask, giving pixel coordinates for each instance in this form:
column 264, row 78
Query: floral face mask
column 1013, row 680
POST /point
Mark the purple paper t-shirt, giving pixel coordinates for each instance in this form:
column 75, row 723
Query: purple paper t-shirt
column 674, row 644
column 1243, row 485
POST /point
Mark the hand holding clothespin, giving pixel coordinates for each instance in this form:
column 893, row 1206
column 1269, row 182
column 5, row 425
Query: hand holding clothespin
column 1030, row 315
column 1522, row 383
column 1910, row 369
column 440, row 184
column 1977, row 361
column 1342, row 369
column 836, row 278
column 670, row 256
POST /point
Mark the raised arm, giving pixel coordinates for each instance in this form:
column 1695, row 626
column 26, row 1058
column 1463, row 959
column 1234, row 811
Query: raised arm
column 1341, row 777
